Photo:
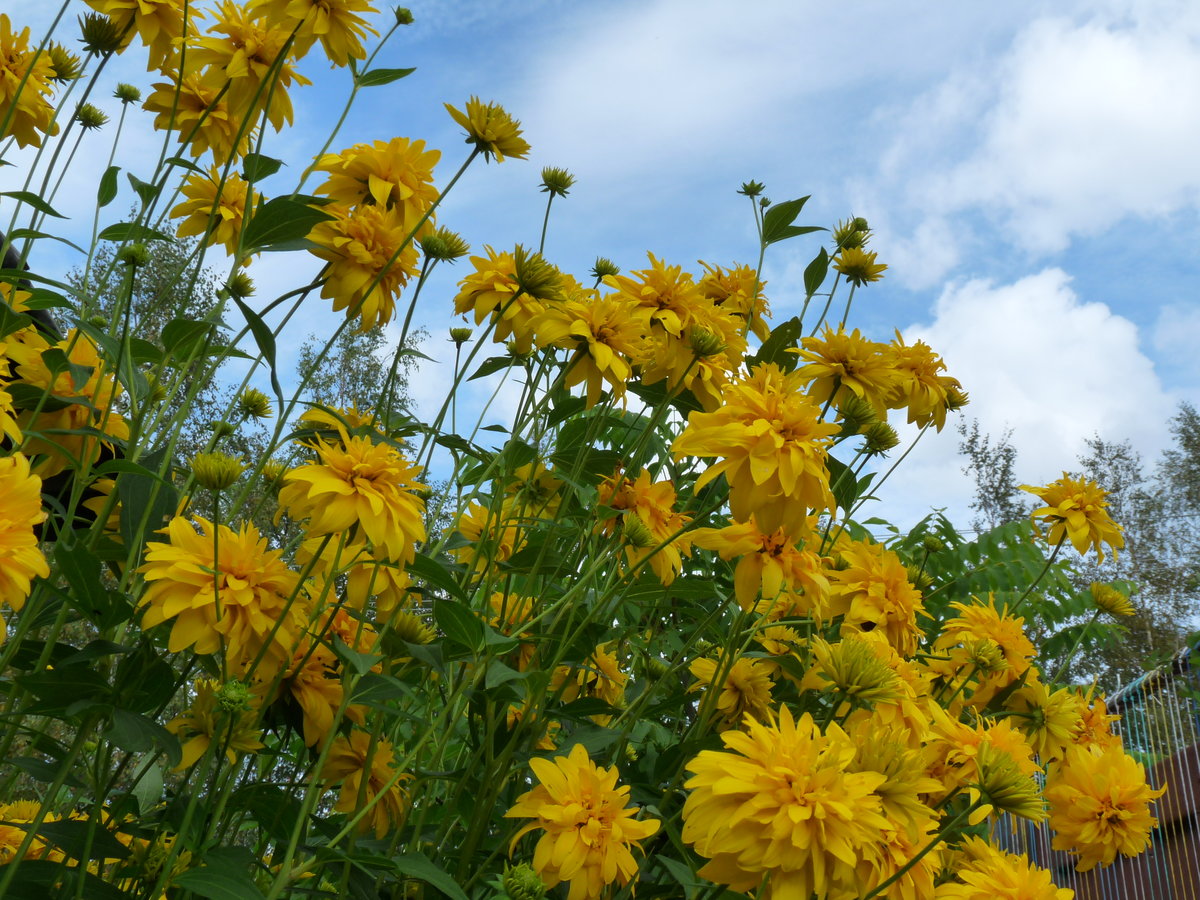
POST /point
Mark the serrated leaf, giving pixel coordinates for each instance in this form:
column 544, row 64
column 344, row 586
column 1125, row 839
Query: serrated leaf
column 281, row 220
column 107, row 191
column 31, row 199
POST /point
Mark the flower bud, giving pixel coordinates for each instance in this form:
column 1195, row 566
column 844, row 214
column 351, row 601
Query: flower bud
column 521, row 882
column 240, row 286
column 556, row 181
column 127, row 93
column 65, row 63
column 604, row 267
column 253, row 402
column 751, row 188
column 444, row 245
column 134, row 254
column 216, row 471
column 460, row 336
column 101, row 35
column 857, row 414
column 933, row 544
column 89, row 117
column 235, row 697
column 881, row 438
column 704, row 343
column 404, row 15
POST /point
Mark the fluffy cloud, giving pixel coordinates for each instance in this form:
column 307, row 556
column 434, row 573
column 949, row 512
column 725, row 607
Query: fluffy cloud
column 1039, row 360
column 1080, row 124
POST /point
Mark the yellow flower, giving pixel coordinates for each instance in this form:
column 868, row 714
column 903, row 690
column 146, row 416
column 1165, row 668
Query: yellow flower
column 1100, row 805
column 490, row 538
column 858, row 265
column 588, row 827
column 872, row 591
column 1094, row 723
column 238, row 597
column 667, row 292
column 1051, row 718
column 32, row 113
column 210, row 717
column 607, row 335
column 21, row 558
column 841, row 366
column 201, row 115
column 159, row 23
column 238, row 52
column 12, row 835
column 768, row 564
column 772, row 447
column 313, row 683
column 1076, row 509
column 982, row 631
column 363, row 574
column 391, row 173
column 533, row 491
column 492, row 130
column 1108, row 599
column 358, row 482
column 335, row 23
column 494, row 290
column 856, row 671
column 365, row 769
column 370, row 256
column 213, row 209
column 599, row 677
column 652, row 506
column 987, row 873
column 740, row 291
column 56, row 434
column 780, row 804
column 745, row 692
column 921, row 389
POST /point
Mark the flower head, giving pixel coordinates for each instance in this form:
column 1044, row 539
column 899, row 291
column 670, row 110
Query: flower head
column 745, row 691
column 358, row 482
column 1100, row 805
column 1076, row 509
column 588, row 828
column 214, row 208
column 338, row 24
column 370, row 784
column 987, row 873
column 492, row 130
column 224, row 590
column 207, row 720
column 858, row 266
column 391, row 173
column 21, row 558
column 780, row 804
column 1108, row 599
column 25, row 87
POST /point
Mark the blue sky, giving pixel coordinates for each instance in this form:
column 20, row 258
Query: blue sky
column 1029, row 169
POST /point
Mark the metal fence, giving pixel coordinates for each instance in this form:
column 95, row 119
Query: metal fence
column 1160, row 726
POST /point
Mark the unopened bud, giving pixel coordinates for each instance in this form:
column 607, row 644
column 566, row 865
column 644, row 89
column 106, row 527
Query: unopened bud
column 216, row 471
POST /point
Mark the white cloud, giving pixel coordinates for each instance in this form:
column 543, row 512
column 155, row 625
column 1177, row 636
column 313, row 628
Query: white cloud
column 1079, row 125
column 1037, row 359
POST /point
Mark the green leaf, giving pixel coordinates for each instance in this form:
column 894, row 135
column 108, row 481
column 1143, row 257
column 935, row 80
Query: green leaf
column 778, row 217
column 39, row 879
column 815, row 272
column 11, row 321
column 374, row 689
column 265, row 340
column 437, row 574
column 57, row 361
column 31, row 199
column 59, row 690
column 183, row 163
column 417, row 865
column 460, row 625
column 275, row 809
column 148, row 791
column 93, row 650
column 135, row 733
column 146, row 191
column 148, row 502
column 81, row 569
column 282, row 220
column 783, row 337
column 224, row 876
column 498, row 673
column 132, row 231
column 43, row 771
column 376, row 77
column 182, row 337
column 144, row 682
column 74, row 835
column 492, row 365
column 256, row 167
column 107, row 191
column 359, row 663
column 20, row 234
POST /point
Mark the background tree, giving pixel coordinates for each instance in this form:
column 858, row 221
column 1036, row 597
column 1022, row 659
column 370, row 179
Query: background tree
column 998, row 499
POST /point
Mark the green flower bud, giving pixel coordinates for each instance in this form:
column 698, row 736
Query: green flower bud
column 460, row 335
column 444, row 245
column 90, row 117
column 881, row 438
column 235, row 697
column 404, row 16
column 751, row 188
column 100, row 34
column 65, row 63
column 127, row 93
column 521, row 882
column 134, row 254
column 240, row 285
column 253, row 402
column 216, row 471
column 556, row 181
column 605, row 267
